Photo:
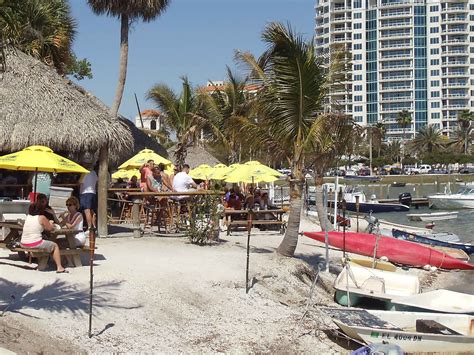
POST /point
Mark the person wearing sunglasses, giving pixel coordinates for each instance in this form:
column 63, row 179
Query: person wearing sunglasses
column 73, row 219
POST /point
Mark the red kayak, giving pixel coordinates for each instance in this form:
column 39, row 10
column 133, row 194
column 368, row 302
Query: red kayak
column 396, row 250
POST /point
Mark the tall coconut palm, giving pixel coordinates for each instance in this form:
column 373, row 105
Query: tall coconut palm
column 293, row 84
column 182, row 114
column 127, row 11
column 224, row 108
column 428, row 140
column 44, row 29
column 379, row 136
column 465, row 128
column 404, row 120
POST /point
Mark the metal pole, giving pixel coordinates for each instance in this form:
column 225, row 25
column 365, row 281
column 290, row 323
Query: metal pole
column 370, row 150
column 357, row 211
column 343, row 206
column 92, row 235
column 281, row 196
column 326, row 235
column 249, row 229
column 139, row 113
column 335, row 197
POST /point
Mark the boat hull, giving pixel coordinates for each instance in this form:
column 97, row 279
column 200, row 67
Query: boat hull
column 398, row 251
column 367, row 207
column 399, row 328
column 468, row 249
column 431, row 217
column 450, row 202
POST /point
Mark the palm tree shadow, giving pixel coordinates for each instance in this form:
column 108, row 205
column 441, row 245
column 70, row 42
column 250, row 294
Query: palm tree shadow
column 317, row 259
column 58, row 296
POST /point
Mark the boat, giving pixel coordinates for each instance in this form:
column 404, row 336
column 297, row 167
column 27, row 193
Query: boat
column 386, row 228
column 443, row 301
column 414, row 332
column 396, row 250
column 463, row 198
column 371, row 263
column 367, row 178
column 430, row 217
column 468, row 248
column 455, row 253
column 355, row 283
column 398, row 184
column 356, row 201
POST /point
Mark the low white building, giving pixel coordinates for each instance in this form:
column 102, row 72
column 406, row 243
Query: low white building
column 152, row 120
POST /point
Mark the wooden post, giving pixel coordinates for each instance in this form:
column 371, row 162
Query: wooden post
column 136, row 217
column 102, row 191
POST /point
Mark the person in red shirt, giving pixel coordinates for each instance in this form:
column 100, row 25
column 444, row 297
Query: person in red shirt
column 145, row 172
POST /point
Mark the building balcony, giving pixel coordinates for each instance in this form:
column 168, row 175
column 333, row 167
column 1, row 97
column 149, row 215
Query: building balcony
column 339, row 40
column 341, row 19
column 396, row 24
column 455, row 85
column 392, row 67
column 392, row 56
column 456, row 107
column 456, row 96
column 455, row 30
column 455, row 9
column 344, row 29
column 464, row 41
column 396, row 88
column 397, row 78
column 396, row 35
column 456, row 63
column 341, row 9
column 451, row 74
column 399, row 3
column 397, row 99
column 395, row 109
column 454, row 19
column 455, row 53
column 398, row 45
column 395, row 14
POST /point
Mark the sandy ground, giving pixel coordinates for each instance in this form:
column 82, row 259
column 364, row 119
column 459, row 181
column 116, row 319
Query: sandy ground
column 157, row 294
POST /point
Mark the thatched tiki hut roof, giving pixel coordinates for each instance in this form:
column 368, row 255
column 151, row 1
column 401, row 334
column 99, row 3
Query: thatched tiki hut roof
column 197, row 155
column 40, row 107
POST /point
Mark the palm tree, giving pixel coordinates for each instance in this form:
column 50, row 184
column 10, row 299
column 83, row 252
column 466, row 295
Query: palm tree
column 127, row 11
column 428, row 139
column 465, row 119
column 43, row 29
column 224, row 109
column 293, row 85
column 379, row 131
column 182, row 114
column 404, row 120
column 393, row 151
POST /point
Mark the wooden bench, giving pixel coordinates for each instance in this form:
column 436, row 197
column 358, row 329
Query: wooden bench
column 43, row 255
column 234, row 224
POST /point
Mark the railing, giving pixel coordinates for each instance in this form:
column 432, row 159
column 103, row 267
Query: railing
column 396, row 34
column 400, row 98
column 391, row 109
column 455, row 95
column 455, row 84
column 395, row 88
column 401, row 55
column 396, row 24
column 396, row 67
column 455, row 63
column 396, row 77
column 455, row 106
column 396, row 13
column 400, row 45
column 455, row 74
column 455, row 30
column 455, row 52
column 454, row 19
column 401, row 2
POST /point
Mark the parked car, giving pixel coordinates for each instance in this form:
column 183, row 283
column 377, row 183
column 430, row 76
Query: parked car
column 364, row 172
column 421, row 169
column 440, row 171
column 395, row 171
column 466, row 170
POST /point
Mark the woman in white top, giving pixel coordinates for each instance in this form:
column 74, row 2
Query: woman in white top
column 32, row 237
column 73, row 219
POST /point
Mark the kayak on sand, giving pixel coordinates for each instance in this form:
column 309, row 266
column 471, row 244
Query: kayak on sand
column 396, row 250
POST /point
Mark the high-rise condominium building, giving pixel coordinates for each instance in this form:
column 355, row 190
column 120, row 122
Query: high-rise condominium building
column 416, row 55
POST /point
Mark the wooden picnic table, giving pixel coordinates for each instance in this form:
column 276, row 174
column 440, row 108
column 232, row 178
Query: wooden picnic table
column 72, row 253
column 277, row 213
column 138, row 198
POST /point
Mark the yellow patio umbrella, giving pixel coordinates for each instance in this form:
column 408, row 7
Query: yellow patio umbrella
column 202, row 172
column 249, row 174
column 126, row 174
column 264, row 167
column 39, row 158
column 142, row 157
column 219, row 172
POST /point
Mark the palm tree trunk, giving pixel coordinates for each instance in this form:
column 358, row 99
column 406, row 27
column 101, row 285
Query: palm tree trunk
column 323, row 218
column 288, row 245
column 104, row 153
column 123, row 64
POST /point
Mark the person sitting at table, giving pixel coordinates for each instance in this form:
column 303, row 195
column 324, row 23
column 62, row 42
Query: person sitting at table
column 155, row 181
column 35, row 224
column 167, row 183
column 182, row 182
column 48, row 211
column 73, row 219
column 145, row 171
column 133, row 183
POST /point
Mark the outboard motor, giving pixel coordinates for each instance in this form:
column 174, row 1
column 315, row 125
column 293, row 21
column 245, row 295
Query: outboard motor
column 372, row 223
column 405, row 198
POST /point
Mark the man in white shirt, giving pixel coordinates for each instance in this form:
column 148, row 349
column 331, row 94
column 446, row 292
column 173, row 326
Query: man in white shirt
column 88, row 195
column 182, row 182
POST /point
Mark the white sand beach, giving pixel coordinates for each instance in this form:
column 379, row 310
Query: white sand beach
column 162, row 294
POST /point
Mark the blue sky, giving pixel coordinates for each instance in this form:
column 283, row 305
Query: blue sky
column 196, row 38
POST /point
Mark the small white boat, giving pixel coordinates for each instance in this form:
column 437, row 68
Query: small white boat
column 443, row 301
column 356, row 282
column 431, row 217
column 414, row 332
column 464, row 198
